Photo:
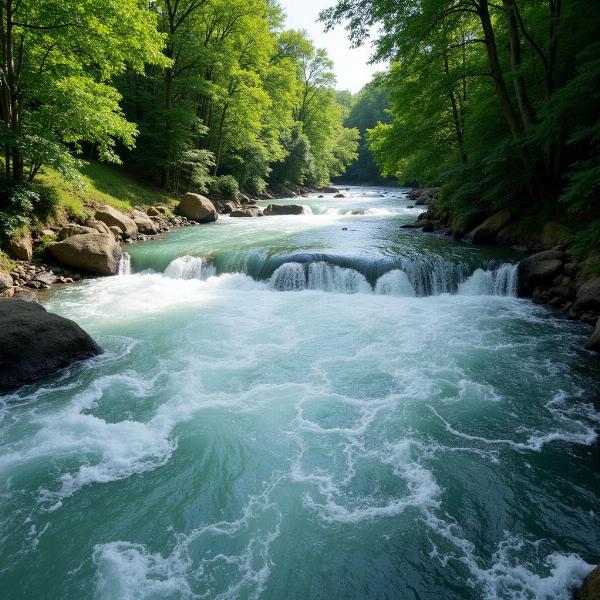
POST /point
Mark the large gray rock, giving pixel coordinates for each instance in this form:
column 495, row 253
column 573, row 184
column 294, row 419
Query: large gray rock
column 247, row 211
column 21, row 248
column 112, row 217
column 284, row 209
column 98, row 226
column 489, row 229
column 588, row 297
column 35, row 343
column 198, row 208
column 538, row 269
column 96, row 253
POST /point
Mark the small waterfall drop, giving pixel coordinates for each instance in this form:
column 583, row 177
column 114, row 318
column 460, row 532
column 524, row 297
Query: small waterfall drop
column 289, row 277
column 125, row 264
column 491, row 282
column 331, row 278
column 395, row 283
column 190, row 267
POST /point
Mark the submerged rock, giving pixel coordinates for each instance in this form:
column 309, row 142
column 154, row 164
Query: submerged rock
column 284, row 209
column 95, row 253
column 198, row 208
column 112, row 217
column 36, row 343
column 247, row 211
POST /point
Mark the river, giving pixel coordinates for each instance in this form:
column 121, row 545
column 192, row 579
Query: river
column 316, row 406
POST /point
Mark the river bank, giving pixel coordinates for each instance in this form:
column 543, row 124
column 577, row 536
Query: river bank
column 551, row 273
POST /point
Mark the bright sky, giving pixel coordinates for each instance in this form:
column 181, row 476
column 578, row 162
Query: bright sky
column 351, row 65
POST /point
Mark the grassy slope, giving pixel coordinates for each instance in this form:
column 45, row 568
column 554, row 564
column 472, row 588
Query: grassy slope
column 103, row 184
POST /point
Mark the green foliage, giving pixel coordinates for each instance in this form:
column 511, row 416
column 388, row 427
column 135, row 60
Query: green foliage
column 61, row 58
column 496, row 102
column 225, row 187
column 22, row 204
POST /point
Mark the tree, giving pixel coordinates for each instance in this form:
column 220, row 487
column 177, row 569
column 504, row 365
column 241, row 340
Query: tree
column 57, row 63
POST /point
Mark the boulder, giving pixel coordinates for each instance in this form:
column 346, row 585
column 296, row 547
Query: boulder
column 21, row 248
column 540, row 268
column 247, row 211
column 513, row 235
column 554, row 234
column 6, row 280
column 198, row 208
column 143, row 222
column 339, row 196
column 74, row 229
column 462, row 224
column 489, row 229
column 112, row 217
column 329, row 190
column 99, row 226
column 594, row 344
column 284, row 209
column 36, row 343
column 281, row 191
column 588, row 297
column 96, row 253
column 590, row 590
column 228, row 208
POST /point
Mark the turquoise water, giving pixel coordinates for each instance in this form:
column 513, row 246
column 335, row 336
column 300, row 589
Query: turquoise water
column 316, row 406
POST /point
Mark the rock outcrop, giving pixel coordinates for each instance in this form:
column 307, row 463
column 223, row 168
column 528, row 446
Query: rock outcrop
column 112, row 217
column 489, row 229
column 95, row 253
column 36, row 343
column 284, row 209
column 198, row 208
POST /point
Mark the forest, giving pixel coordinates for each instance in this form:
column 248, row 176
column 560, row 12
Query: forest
column 203, row 95
column 497, row 102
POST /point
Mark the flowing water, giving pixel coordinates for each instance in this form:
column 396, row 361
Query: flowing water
column 315, row 406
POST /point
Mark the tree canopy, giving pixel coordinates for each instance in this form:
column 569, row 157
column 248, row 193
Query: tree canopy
column 497, row 102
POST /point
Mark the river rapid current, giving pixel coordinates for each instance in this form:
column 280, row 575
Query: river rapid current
column 305, row 407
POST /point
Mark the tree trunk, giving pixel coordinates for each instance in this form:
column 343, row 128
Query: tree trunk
column 523, row 101
column 220, row 142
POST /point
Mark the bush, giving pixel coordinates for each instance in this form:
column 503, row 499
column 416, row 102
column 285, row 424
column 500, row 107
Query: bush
column 21, row 203
column 224, row 187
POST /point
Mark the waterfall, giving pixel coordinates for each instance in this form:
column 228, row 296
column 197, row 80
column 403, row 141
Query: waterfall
column 125, row 264
column 435, row 277
column 190, row 267
column 322, row 276
column 289, row 277
column 491, row 282
column 394, row 283
column 331, row 278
